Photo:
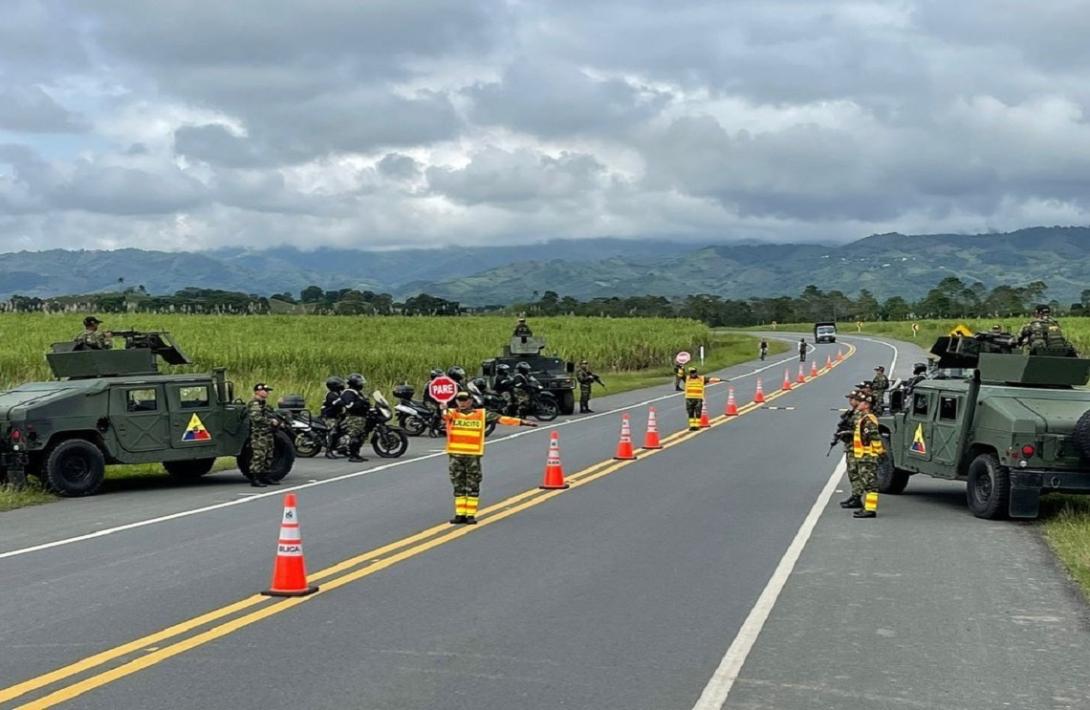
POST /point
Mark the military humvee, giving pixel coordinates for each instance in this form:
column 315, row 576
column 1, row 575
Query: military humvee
column 554, row 374
column 1011, row 426
column 113, row 407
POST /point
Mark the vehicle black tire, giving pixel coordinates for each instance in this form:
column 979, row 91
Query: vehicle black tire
column 283, row 457
column 74, row 468
column 546, row 409
column 988, row 490
column 891, row 479
column 1080, row 435
column 189, row 470
column 567, row 403
column 390, row 444
column 412, row 424
column 308, row 444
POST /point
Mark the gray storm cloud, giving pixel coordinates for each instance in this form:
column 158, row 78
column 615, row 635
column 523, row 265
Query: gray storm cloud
column 203, row 124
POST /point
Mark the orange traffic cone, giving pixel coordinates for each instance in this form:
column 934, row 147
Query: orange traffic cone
column 651, row 439
column 813, row 369
column 704, row 421
column 289, row 578
column 759, row 398
column 839, row 355
column 554, row 472
column 828, row 362
column 624, row 446
column 801, row 378
column 732, row 406
column 786, row 381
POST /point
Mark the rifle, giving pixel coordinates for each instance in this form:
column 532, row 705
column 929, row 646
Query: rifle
column 841, row 432
column 598, row 379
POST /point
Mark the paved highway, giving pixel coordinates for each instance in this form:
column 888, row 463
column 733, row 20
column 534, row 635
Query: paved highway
column 713, row 571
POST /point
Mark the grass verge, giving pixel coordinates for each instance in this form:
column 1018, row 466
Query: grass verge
column 31, row 494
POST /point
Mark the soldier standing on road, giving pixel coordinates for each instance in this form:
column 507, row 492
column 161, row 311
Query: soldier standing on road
column 679, row 376
column 262, row 445
column 802, row 349
column 764, row 349
column 845, row 430
column 522, row 330
column 332, row 411
column 867, row 447
column 356, row 406
column 694, row 396
column 465, row 447
column 586, row 379
column 878, row 387
column 92, row 338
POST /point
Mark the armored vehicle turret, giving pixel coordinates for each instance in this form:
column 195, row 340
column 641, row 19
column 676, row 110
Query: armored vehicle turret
column 1012, row 426
column 115, row 407
column 554, row 374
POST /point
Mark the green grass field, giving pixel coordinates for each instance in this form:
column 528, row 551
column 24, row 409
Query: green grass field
column 296, row 353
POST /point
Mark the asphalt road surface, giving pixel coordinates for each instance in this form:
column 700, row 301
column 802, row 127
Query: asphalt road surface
column 716, row 572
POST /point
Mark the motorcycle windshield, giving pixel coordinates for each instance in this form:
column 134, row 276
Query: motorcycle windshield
column 381, row 404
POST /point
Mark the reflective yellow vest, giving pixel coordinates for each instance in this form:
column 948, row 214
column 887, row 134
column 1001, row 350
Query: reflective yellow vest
column 465, row 432
column 694, row 387
column 861, row 450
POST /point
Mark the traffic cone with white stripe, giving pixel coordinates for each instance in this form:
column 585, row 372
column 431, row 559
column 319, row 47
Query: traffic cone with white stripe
column 289, row 578
column 624, row 446
column 828, row 362
column 802, row 377
column 554, row 472
column 705, row 422
column 759, row 397
column 732, row 406
column 786, row 381
column 813, row 369
column 651, row 438
column 840, row 356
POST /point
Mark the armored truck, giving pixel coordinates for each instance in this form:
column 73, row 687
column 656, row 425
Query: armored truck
column 554, row 374
column 1012, row 426
column 114, row 407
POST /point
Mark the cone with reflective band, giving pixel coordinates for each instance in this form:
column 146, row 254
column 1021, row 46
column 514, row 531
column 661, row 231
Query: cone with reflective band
column 624, row 446
column 705, row 422
column 839, row 355
column 813, row 369
column 828, row 362
column 786, row 380
column 732, row 406
column 870, row 502
column 554, row 472
column 289, row 578
column 651, row 438
column 802, row 377
column 759, row 398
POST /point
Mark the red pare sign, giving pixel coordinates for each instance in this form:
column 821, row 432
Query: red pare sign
column 682, row 357
column 442, row 389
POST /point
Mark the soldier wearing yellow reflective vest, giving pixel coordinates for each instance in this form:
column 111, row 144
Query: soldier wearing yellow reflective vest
column 867, row 447
column 694, row 396
column 465, row 447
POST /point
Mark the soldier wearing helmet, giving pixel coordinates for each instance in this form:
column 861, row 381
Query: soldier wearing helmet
column 356, row 406
column 92, row 338
column 1043, row 335
column 331, row 412
column 521, row 329
column 523, row 384
column 844, row 429
column 694, row 396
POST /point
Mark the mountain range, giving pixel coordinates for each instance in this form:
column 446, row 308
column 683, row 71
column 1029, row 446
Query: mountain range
column 886, row 264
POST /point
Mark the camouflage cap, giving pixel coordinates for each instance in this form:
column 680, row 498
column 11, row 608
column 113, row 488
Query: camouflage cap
column 867, row 398
column 462, row 396
column 854, row 394
column 880, row 368
column 262, row 386
column 91, row 320
column 692, row 370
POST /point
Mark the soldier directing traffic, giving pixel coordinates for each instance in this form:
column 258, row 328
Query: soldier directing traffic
column 586, row 380
column 465, row 447
column 92, row 338
column 262, row 445
column 694, row 396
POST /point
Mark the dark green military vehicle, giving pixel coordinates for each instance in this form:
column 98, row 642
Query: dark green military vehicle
column 554, row 374
column 1011, row 426
column 114, row 407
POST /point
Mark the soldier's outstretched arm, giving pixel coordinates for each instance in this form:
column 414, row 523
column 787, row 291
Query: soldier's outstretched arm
column 508, row 421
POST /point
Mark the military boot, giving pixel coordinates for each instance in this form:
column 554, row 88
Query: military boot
column 257, row 482
column 864, row 514
column 852, row 501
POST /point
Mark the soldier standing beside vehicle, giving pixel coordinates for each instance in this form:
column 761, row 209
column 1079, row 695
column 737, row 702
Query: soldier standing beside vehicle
column 465, row 447
column 262, row 445
column 694, row 396
column 802, row 349
column 356, row 406
column 867, row 447
column 845, row 430
column 878, row 387
column 92, row 338
column 331, row 412
column 586, row 380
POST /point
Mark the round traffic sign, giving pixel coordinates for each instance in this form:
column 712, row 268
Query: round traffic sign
column 682, row 357
column 442, row 389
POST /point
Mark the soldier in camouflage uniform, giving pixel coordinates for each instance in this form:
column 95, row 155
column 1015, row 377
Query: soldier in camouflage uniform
column 92, row 338
column 586, row 379
column 465, row 447
column 261, row 437
column 522, row 330
column 878, row 387
column 1043, row 336
column 355, row 406
column 844, row 430
column 867, row 448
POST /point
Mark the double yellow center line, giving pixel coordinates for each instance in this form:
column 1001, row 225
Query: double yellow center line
column 350, row 570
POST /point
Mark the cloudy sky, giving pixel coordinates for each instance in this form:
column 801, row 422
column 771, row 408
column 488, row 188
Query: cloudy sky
column 196, row 124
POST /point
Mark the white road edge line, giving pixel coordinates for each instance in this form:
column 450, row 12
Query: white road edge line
column 719, row 686
column 343, row 477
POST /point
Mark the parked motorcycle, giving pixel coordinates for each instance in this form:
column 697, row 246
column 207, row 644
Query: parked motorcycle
column 542, row 405
column 311, row 435
column 415, row 417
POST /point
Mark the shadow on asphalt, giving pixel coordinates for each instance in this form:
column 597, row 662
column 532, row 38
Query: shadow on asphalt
column 161, row 481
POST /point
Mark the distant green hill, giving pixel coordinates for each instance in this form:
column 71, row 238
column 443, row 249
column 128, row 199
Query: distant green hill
column 886, row 264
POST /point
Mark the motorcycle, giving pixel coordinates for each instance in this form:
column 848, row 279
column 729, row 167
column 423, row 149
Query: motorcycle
column 308, row 436
column 389, row 442
column 542, row 405
column 415, row 417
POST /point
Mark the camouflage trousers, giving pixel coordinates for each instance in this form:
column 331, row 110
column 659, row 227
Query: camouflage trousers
column 465, row 475
column 522, row 402
column 262, row 448
column 692, row 408
column 853, row 473
column 868, row 474
column 356, row 429
column 584, row 395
